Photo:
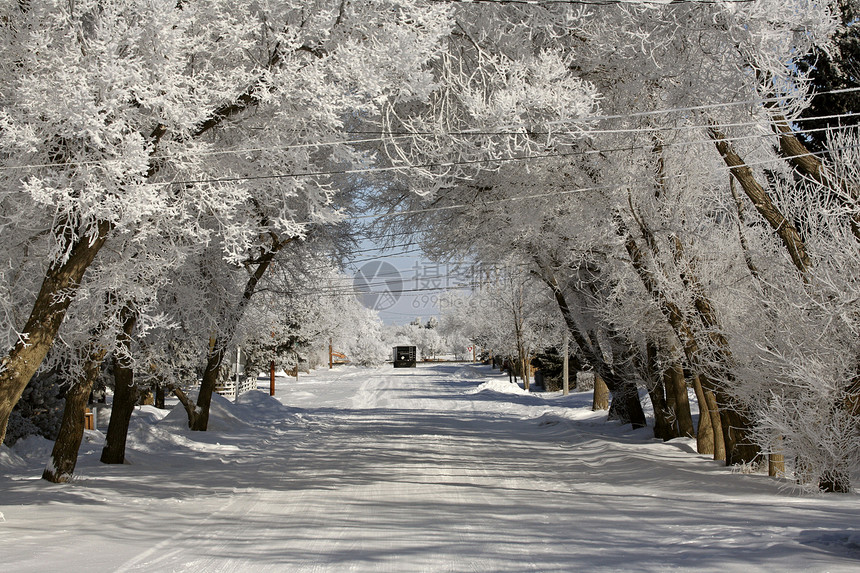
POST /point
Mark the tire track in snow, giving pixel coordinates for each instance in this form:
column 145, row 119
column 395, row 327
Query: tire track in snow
column 171, row 548
column 411, row 471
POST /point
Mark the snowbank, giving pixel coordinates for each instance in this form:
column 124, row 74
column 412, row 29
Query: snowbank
column 9, row 459
column 225, row 415
column 255, row 404
column 222, row 416
column 500, row 386
column 33, row 448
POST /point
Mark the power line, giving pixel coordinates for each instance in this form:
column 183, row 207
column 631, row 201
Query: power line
column 446, row 164
column 546, row 194
column 579, row 190
column 212, row 153
column 650, row 129
column 392, row 255
column 702, row 107
column 378, row 216
column 385, row 135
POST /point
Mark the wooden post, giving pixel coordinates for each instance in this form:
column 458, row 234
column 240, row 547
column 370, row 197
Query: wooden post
column 565, row 368
column 236, row 378
column 330, row 359
column 272, row 378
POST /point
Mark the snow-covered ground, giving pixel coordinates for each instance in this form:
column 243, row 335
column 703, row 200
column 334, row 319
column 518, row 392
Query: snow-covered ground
column 438, row 468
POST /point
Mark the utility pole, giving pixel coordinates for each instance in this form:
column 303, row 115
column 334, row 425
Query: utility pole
column 565, row 373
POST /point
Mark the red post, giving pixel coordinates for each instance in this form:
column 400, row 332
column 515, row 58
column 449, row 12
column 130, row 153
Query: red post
column 330, row 361
column 272, row 378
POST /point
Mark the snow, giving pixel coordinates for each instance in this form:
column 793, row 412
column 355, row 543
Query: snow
column 437, row 468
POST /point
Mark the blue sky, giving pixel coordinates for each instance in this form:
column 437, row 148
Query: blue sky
column 415, row 283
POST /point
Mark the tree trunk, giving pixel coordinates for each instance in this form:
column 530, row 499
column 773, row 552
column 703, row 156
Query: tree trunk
column 663, row 429
column 705, row 431
column 709, row 437
column 676, row 396
column 784, row 228
column 663, row 424
column 159, row 396
column 717, row 425
column 56, row 294
column 199, row 417
column 810, row 165
column 124, row 396
column 739, row 448
column 124, row 401
column 671, row 404
column 186, row 402
column 524, row 372
column 625, row 396
column 735, row 425
column 600, row 400
column 626, row 407
column 64, row 456
column 712, row 409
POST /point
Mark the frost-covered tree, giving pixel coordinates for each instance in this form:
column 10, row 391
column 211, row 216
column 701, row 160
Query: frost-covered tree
column 91, row 90
column 647, row 163
column 304, row 308
column 365, row 343
column 122, row 114
column 509, row 315
column 635, row 227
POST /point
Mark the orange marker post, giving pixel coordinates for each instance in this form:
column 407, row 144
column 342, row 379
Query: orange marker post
column 272, row 378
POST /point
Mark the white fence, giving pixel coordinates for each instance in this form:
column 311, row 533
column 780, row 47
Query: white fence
column 239, row 382
column 229, row 388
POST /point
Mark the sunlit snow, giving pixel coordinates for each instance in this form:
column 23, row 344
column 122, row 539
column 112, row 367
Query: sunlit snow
column 439, row 468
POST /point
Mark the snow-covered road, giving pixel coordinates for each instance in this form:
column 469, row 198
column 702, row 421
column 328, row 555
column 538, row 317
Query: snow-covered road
column 439, row 468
